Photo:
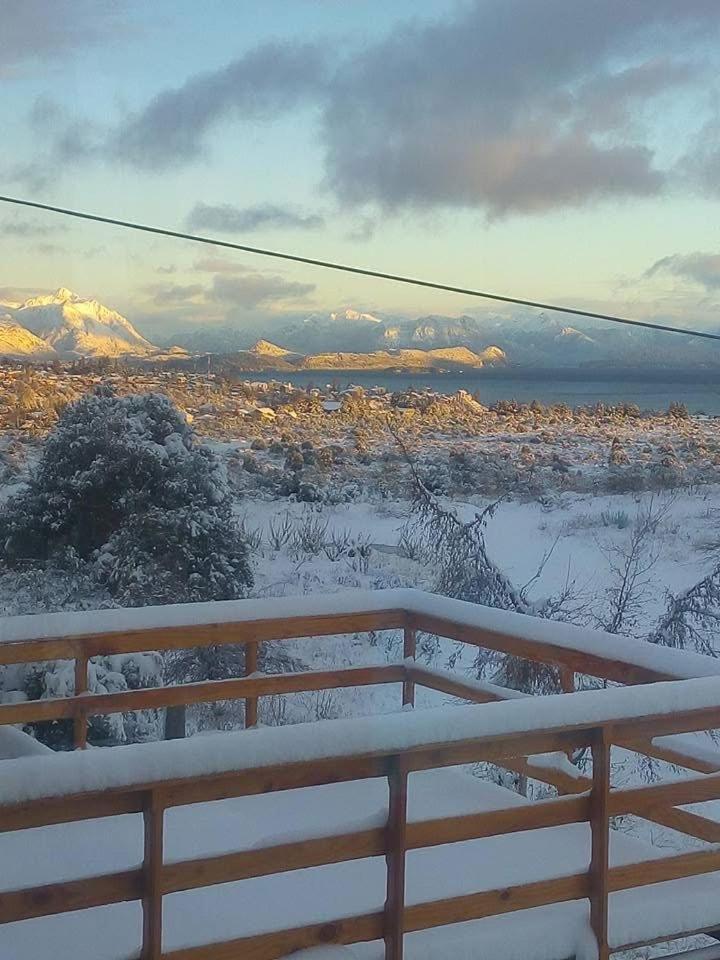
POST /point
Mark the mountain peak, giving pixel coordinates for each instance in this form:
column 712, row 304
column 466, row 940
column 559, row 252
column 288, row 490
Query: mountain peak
column 351, row 316
column 72, row 326
column 62, row 295
column 265, row 348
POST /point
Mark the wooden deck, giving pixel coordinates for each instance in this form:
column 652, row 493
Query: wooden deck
column 534, row 742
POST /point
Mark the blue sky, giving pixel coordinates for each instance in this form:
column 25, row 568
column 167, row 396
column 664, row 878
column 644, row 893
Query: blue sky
column 565, row 150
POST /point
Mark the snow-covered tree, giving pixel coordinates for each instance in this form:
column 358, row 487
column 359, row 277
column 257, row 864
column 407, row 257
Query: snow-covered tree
column 108, row 459
column 125, row 498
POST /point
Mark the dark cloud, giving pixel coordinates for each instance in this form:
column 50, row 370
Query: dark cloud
column 225, row 218
column 257, row 289
column 264, row 82
column 700, row 268
column 40, row 29
column 512, row 105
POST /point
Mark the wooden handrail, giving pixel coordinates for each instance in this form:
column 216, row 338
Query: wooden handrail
column 593, row 801
column 156, row 878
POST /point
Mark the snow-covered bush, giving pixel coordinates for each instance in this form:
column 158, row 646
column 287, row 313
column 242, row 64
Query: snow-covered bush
column 176, row 556
column 124, row 499
column 108, row 459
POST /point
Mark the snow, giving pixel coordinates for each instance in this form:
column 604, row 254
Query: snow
column 62, row 774
column 690, row 744
column 14, row 743
column 675, row 663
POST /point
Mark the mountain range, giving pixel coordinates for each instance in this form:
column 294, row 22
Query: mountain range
column 64, row 325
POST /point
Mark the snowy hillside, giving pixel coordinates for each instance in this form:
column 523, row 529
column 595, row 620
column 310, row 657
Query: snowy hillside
column 69, row 325
column 18, row 342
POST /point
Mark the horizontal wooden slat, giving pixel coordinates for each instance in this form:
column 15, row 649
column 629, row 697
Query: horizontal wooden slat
column 84, row 806
column 299, row 855
column 57, row 898
column 93, row 704
column 474, row 826
column 642, row 801
column 190, row 874
column 272, row 946
column 472, row 906
column 200, row 635
column 684, row 821
column 490, row 903
column 579, row 661
column 674, row 755
column 455, row 686
column 659, row 871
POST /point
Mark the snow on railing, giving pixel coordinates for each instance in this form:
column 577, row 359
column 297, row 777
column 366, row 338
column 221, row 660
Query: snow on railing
column 153, row 778
column 84, row 635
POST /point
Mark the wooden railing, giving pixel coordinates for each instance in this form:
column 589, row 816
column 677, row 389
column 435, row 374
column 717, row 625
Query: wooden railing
column 516, row 748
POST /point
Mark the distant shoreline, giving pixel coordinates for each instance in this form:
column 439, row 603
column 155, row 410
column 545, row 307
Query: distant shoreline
column 536, row 374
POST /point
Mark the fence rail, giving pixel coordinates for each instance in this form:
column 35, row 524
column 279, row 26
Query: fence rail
column 582, row 798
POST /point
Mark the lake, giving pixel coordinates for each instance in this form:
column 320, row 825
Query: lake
column 699, row 392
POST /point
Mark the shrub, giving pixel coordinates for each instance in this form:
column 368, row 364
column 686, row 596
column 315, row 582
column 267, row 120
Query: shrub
column 176, row 556
column 125, row 499
column 108, row 459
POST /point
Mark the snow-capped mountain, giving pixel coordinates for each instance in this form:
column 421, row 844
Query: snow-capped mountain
column 352, row 316
column 71, row 326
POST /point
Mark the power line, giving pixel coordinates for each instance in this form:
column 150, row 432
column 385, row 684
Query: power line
column 360, row 271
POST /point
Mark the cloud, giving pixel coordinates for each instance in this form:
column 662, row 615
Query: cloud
column 510, row 105
column 225, row 218
column 362, row 231
column 42, row 29
column 701, row 164
column 176, row 293
column 700, row 268
column 256, row 289
column 24, row 228
column 170, row 268
column 170, row 131
column 219, row 265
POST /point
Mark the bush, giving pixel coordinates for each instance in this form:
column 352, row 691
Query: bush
column 124, row 498
column 176, row 556
column 108, row 459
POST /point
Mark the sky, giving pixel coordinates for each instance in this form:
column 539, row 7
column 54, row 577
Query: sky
column 559, row 150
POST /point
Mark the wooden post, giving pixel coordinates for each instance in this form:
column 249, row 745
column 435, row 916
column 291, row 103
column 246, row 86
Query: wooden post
column 600, row 827
column 567, row 685
column 153, row 819
column 409, row 650
column 81, row 686
column 251, row 703
column 395, row 847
